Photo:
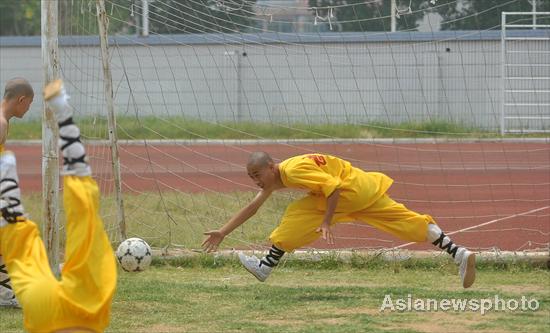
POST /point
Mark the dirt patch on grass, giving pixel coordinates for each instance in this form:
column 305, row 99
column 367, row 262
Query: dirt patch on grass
column 354, row 311
column 522, row 289
column 161, row 328
column 437, row 322
column 295, row 323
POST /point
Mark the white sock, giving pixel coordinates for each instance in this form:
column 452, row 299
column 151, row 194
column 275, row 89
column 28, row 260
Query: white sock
column 272, row 259
column 74, row 153
column 442, row 241
column 60, row 104
column 10, row 193
column 6, row 291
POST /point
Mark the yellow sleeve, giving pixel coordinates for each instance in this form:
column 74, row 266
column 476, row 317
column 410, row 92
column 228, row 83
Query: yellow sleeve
column 307, row 174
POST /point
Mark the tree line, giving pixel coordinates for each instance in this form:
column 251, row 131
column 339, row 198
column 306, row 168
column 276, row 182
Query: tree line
column 77, row 17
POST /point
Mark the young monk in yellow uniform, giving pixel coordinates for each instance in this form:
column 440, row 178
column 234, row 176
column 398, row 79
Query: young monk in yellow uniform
column 337, row 192
column 17, row 99
column 81, row 300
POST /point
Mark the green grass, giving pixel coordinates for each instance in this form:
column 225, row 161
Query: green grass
column 167, row 128
column 210, row 293
column 202, row 297
column 182, row 128
column 181, row 218
column 177, row 220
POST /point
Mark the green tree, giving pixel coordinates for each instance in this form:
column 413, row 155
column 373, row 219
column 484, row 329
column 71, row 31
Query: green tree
column 360, row 15
column 75, row 17
column 79, row 17
column 19, row 17
column 201, row 16
column 482, row 15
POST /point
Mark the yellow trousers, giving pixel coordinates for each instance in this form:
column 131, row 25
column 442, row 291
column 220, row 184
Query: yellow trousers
column 302, row 218
column 82, row 298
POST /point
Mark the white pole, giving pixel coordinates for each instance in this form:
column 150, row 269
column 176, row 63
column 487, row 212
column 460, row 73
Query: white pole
column 103, row 22
column 503, row 71
column 393, row 15
column 534, row 6
column 50, row 156
column 145, row 18
column 239, row 85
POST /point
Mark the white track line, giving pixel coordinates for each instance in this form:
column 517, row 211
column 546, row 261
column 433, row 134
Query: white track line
column 480, row 225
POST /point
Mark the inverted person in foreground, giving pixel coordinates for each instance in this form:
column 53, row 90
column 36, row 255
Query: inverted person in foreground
column 81, row 300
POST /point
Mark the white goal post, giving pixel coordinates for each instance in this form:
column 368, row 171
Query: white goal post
column 210, row 84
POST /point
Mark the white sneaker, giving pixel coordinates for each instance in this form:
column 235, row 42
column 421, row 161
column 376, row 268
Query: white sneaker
column 467, row 269
column 255, row 267
column 10, row 303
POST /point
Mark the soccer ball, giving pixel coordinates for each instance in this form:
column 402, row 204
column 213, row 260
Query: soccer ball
column 134, row 255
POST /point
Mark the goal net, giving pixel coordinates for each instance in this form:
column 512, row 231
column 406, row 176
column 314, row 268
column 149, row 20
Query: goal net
column 214, row 80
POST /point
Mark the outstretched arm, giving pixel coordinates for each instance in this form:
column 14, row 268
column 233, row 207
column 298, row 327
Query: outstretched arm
column 215, row 237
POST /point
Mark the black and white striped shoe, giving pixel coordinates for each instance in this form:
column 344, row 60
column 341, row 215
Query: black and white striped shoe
column 11, row 208
column 75, row 161
column 7, row 296
column 10, row 303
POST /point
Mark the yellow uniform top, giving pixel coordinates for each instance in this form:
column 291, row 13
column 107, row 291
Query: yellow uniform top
column 321, row 174
column 1, row 147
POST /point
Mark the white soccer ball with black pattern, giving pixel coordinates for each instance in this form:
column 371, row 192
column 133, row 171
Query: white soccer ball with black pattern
column 134, row 255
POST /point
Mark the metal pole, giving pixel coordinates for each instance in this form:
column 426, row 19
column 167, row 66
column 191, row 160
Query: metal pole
column 239, row 86
column 534, row 6
column 393, row 15
column 50, row 157
column 503, row 71
column 145, row 18
column 103, row 22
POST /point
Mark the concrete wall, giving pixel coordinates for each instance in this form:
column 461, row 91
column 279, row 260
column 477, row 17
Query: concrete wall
column 332, row 78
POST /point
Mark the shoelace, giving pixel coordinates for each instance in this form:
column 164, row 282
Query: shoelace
column 5, row 283
column 272, row 259
column 447, row 247
column 67, row 141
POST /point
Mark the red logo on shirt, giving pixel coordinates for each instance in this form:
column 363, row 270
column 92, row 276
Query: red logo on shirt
column 318, row 159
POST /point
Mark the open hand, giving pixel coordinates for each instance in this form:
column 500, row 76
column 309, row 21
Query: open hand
column 215, row 237
column 326, row 233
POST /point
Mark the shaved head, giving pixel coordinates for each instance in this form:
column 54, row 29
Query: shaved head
column 259, row 160
column 263, row 171
column 18, row 87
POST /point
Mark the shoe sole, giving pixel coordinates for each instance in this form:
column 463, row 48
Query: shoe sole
column 52, row 89
column 10, row 304
column 470, row 274
column 250, row 271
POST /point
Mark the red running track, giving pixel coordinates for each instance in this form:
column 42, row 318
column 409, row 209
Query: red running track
column 503, row 185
